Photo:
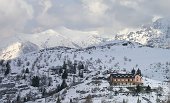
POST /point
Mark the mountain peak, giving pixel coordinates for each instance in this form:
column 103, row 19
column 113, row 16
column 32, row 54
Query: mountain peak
column 49, row 31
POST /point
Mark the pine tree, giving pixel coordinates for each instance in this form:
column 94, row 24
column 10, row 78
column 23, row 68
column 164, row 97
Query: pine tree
column 65, row 74
column 19, row 62
column 44, row 92
column 74, row 79
column 80, row 73
column 8, row 68
column 25, row 99
column 148, row 89
column 1, row 62
column 35, row 81
column 8, row 65
column 64, row 65
column 82, row 66
column 60, row 71
column 58, row 100
column 124, row 101
column 71, row 101
column 63, row 85
column 74, row 69
column 138, row 72
column 27, row 70
column 138, row 88
column 133, row 71
column 28, row 96
column 18, row 99
column 58, row 88
column 6, row 72
column 49, row 83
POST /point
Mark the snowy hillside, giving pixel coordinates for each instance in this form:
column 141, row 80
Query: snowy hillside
column 156, row 34
column 99, row 61
column 117, row 55
column 17, row 49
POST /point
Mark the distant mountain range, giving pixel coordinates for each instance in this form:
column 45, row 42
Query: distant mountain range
column 156, row 34
column 48, row 39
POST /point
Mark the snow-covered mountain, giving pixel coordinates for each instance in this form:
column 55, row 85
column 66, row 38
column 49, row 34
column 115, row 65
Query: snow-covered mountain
column 17, row 49
column 51, row 38
column 26, row 43
column 69, row 38
column 62, row 37
column 156, row 34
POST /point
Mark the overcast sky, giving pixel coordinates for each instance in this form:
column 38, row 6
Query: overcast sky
column 105, row 16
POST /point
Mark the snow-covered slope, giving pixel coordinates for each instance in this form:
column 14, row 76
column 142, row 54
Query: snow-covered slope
column 156, row 34
column 118, row 55
column 99, row 61
column 17, row 49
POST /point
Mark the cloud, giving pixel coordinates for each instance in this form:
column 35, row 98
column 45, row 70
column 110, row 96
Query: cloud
column 46, row 4
column 95, row 7
column 105, row 16
column 14, row 14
